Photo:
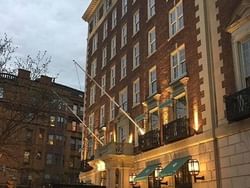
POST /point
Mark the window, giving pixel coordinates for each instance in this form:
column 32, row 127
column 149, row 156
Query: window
column 102, row 115
column 94, row 43
column 152, row 81
column 114, row 18
column 92, row 95
column 151, row 8
column 52, row 121
column 124, row 35
column 26, row 157
column 123, row 99
column 73, row 126
column 122, row 136
column 74, row 109
column 51, row 139
column 112, row 110
column 136, row 92
column 49, row 159
column 123, row 67
column 136, row 22
column 91, row 121
column 75, row 143
column 100, row 12
column 154, row 120
column 41, row 133
column 93, row 69
column 103, row 84
column 124, row 7
column 151, row 41
column 113, row 47
column 81, row 108
column 108, row 4
column 180, row 107
column 104, row 56
column 105, row 29
column 1, row 92
column 29, row 135
column 112, row 77
column 136, row 55
column 178, row 64
column 245, row 49
column 176, row 20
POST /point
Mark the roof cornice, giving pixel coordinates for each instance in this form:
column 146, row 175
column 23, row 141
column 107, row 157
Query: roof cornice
column 90, row 10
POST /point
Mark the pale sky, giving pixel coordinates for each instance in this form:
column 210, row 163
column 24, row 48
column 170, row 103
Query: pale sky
column 52, row 25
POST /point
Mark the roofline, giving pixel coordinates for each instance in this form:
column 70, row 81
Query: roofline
column 90, row 10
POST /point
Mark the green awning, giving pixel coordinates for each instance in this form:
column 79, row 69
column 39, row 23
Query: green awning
column 173, row 167
column 139, row 117
column 166, row 103
column 146, row 172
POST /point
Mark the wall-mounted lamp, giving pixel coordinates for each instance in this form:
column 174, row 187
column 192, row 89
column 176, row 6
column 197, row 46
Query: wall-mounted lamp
column 159, row 179
column 132, row 181
column 194, row 169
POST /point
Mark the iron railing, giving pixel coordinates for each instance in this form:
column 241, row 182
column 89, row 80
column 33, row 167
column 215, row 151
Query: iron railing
column 149, row 140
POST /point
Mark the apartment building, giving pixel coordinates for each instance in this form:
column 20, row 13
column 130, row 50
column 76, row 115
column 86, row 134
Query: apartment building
column 40, row 137
column 180, row 70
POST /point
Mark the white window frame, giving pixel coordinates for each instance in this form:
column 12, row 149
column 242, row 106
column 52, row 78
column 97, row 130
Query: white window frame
column 112, row 110
column 176, row 20
column 123, row 67
column 151, row 41
column 124, row 7
column 123, row 99
column 124, row 35
column 103, row 84
column 151, row 8
column 92, row 94
column 112, row 76
column 94, row 43
column 180, row 66
column 113, row 47
column 136, row 55
column 105, row 29
column 136, row 92
column 114, row 18
column 136, row 22
column 91, row 121
column 93, row 68
column 102, row 115
column 152, row 78
column 104, row 57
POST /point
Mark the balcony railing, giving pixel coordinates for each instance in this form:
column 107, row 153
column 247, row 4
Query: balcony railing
column 8, row 76
column 149, row 140
column 176, row 130
column 115, row 149
column 238, row 105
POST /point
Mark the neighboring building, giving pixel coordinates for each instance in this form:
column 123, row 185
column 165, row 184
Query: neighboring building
column 181, row 71
column 42, row 136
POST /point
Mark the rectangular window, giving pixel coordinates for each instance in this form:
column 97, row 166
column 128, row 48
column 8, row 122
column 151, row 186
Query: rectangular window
column 180, row 107
column 41, row 133
column 112, row 110
column 103, row 84
column 122, row 137
column 176, row 19
column 178, row 63
column 26, row 157
column 151, row 8
column 123, row 67
column 93, row 69
column 108, row 4
column 124, row 7
column 73, row 126
column 123, row 99
column 91, row 121
column 136, row 22
column 245, row 48
column 105, row 29
column 52, row 121
column 152, row 81
column 94, row 43
column 74, row 109
column 112, row 77
column 1, row 92
column 136, row 55
column 51, row 139
column 102, row 115
column 136, row 92
column 29, row 135
column 124, row 35
column 92, row 95
column 113, row 47
column 49, row 159
column 151, row 41
column 154, row 120
column 114, row 18
column 104, row 56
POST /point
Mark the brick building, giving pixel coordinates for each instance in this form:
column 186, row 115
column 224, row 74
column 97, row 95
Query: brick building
column 181, row 71
column 40, row 137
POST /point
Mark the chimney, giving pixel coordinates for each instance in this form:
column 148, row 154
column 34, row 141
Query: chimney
column 23, row 74
column 45, row 80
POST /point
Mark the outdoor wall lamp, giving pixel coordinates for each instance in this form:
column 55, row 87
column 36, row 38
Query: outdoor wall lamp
column 158, row 178
column 132, row 181
column 194, row 169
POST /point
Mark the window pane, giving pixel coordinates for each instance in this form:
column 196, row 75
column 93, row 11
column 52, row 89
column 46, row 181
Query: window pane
column 246, row 57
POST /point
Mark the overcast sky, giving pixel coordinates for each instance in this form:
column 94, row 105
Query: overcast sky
column 52, row 25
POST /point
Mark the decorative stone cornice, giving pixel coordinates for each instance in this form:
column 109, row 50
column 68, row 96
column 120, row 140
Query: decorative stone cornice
column 90, row 10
